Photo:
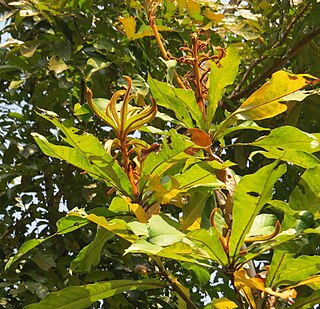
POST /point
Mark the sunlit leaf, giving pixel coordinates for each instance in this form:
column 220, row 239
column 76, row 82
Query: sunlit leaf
column 181, row 102
column 252, row 193
column 220, row 77
column 57, row 64
column 129, row 24
column 266, row 101
column 116, row 226
column 86, row 153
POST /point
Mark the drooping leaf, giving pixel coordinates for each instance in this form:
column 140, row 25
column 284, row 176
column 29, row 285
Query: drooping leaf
column 116, row 226
column 86, row 153
column 220, row 77
column 252, row 193
column 306, row 195
column 266, row 101
column 181, row 102
column 89, row 256
column 82, row 297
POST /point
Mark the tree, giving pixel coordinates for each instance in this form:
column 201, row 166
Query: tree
column 194, row 184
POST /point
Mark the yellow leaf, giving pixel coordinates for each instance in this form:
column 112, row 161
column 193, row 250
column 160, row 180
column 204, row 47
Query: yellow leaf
column 216, row 18
column 224, row 303
column 242, row 281
column 265, row 102
column 138, row 212
column 129, row 24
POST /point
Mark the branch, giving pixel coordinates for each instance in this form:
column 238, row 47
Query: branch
column 275, row 66
column 277, row 44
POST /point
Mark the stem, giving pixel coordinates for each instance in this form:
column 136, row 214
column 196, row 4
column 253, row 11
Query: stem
column 197, row 75
column 152, row 22
column 275, row 66
column 173, row 283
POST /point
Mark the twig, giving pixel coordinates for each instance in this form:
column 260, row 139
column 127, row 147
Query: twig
column 236, row 91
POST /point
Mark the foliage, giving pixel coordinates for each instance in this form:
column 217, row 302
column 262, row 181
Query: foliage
column 194, row 185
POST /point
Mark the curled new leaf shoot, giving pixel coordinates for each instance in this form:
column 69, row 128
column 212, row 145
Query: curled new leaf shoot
column 124, row 118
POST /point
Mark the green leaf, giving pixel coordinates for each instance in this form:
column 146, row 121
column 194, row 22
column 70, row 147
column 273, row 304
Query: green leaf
column 220, row 77
column 296, row 157
column 247, row 125
column 307, row 302
column 266, row 101
column 306, row 195
column 89, row 256
column 209, row 242
column 64, row 225
column 262, row 225
column 289, row 138
column 162, row 233
column 181, row 102
column 25, row 248
column 159, row 163
column 82, row 297
column 287, row 270
column 252, row 193
column 86, row 153
column 201, row 273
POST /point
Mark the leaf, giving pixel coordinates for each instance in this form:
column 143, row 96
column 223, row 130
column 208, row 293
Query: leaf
column 89, row 256
column 220, row 77
column 242, row 280
column 296, row 157
column 287, row 270
column 208, row 241
column 307, row 302
column 245, row 30
column 64, row 225
column 252, row 193
column 247, row 125
column 306, row 194
column 139, row 212
column 181, row 102
column 25, row 248
column 223, row 303
column 159, row 163
column 263, row 224
column 129, row 24
column 57, row 65
column 289, row 138
column 82, row 297
column 266, row 101
column 199, row 174
column 116, row 226
column 86, row 153
column 162, row 233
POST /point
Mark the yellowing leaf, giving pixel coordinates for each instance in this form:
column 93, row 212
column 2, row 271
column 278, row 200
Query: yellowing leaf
column 264, row 103
column 242, row 280
column 267, row 101
column 215, row 17
column 129, row 24
column 223, row 303
column 138, row 212
column 57, row 65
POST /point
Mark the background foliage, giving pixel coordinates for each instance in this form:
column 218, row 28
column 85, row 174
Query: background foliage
column 51, row 51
